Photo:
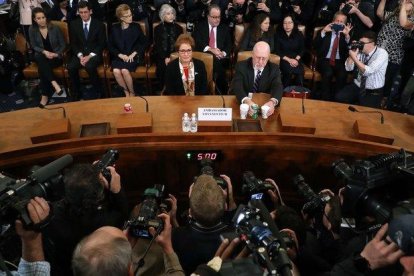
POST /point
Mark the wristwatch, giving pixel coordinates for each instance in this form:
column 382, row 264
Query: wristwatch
column 360, row 263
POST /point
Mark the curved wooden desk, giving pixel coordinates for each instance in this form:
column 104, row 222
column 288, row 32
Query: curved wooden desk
column 144, row 156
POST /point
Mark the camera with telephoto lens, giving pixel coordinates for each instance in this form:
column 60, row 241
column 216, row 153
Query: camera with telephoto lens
column 255, row 226
column 108, row 159
column 257, row 189
column 378, row 186
column 357, row 45
column 206, row 167
column 315, row 204
column 151, row 206
column 15, row 194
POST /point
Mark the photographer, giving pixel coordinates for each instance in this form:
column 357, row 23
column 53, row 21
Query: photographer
column 32, row 261
column 269, row 7
column 361, row 14
column 371, row 62
column 207, row 208
column 301, row 9
column 107, row 251
column 235, row 13
column 331, row 45
column 90, row 202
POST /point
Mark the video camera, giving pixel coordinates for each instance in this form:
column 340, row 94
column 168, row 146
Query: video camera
column 315, row 204
column 108, row 159
column 207, row 168
column 151, row 206
column 15, row 194
column 375, row 185
column 255, row 226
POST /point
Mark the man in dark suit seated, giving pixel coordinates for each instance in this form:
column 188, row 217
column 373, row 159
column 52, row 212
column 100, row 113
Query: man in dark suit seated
column 213, row 37
column 256, row 74
column 331, row 44
column 87, row 37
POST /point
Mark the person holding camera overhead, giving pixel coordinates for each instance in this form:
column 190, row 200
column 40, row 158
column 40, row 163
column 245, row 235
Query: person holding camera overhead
column 269, row 7
column 331, row 45
column 361, row 14
column 371, row 62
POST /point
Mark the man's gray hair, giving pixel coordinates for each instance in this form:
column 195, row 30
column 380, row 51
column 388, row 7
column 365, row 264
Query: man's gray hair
column 112, row 257
column 164, row 9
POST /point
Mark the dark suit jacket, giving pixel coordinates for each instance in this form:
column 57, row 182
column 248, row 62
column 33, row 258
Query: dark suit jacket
column 174, row 83
column 243, row 80
column 55, row 37
column 136, row 41
column 96, row 38
column 201, row 36
column 322, row 45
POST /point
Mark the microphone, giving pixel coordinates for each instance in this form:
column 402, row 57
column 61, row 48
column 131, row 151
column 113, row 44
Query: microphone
column 146, row 102
column 303, row 103
column 51, row 169
column 353, row 109
column 218, row 90
column 52, row 108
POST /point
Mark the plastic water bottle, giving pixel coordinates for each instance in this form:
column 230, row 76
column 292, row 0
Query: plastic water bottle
column 194, row 123
column 186, row 123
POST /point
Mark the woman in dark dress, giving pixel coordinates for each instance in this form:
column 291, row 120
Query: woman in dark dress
column 185, row 75
column 165, row 35
column 48, row 43
column 290, row 46
column 259, row 30
column 127, row 44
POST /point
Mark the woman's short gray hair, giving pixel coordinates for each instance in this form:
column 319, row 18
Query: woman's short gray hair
column 164, row 9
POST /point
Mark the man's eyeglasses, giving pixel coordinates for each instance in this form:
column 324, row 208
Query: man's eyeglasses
column 185, row 51
column 215, row 17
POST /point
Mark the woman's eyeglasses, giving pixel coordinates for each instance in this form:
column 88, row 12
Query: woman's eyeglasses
column 185, row 51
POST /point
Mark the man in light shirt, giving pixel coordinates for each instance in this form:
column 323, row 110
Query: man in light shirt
column 370, row 62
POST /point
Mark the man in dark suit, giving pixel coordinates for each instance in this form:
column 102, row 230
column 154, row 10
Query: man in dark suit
column 331, row 44
column 213, row 37
column 256, row 74
column 87, row 37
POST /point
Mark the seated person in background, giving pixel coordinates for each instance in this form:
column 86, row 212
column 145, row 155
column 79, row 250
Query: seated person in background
column 185, row 75
column 197, row 242
column 371, row 63
column 59, row 11
column 48, row 43
column 127, row 45
column 290, row 45
column 165, row 35
column 258, row 31
column 90, row 202
column 87, row 39
column 256, row 74
column 107, row 251
column 32, row 261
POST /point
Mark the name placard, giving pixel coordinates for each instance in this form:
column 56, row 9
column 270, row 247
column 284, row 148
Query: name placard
column 214, row 114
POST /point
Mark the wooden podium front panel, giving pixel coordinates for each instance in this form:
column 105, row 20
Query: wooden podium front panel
column 134, row 123
column 50, row 130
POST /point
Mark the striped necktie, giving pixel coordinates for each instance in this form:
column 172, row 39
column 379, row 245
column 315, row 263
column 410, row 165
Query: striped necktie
column 256, row 81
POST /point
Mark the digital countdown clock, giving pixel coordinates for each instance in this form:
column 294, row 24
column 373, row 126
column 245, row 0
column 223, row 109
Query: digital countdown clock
column 197, row 155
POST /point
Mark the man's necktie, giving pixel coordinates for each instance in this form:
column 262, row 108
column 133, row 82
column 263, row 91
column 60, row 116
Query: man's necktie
column 334, row 50
column 212, row 39
column 362, row 87
column 256, row 81
column 85, row 31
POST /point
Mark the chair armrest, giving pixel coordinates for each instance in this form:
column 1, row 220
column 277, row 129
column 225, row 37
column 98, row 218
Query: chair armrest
column 106, row 58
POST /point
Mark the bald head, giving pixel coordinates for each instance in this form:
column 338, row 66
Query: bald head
column 260, row 55
column 104, row 252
